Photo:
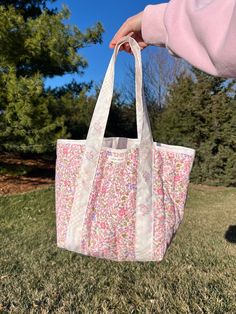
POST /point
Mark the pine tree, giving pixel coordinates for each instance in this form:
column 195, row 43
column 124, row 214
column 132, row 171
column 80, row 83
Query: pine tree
column 35, row 44
column 201, row 114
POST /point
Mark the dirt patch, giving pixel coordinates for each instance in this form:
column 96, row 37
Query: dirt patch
column 13, row 185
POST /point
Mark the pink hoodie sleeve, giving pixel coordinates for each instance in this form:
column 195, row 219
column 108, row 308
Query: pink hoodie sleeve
column 203, row 32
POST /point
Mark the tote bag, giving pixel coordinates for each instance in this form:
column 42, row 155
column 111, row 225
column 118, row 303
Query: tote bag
column 120, row 198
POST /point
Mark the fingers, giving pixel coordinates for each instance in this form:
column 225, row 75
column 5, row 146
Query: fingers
column 131, row 27
column 123, row 31
column 126, row 48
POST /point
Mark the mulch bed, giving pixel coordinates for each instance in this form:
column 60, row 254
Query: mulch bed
column 13, row 185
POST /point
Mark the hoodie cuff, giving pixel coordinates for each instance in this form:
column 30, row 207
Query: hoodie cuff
column 153, row 28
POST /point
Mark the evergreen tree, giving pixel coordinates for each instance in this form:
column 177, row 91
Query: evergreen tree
column 28, row 8
column 201, row 114
column 35, row 44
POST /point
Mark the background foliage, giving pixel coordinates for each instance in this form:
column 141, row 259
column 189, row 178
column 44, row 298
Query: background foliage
column 186, row 106
column 35, row 44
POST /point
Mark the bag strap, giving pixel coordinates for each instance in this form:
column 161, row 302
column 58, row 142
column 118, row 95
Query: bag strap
column 102, row 108
column 93, row 147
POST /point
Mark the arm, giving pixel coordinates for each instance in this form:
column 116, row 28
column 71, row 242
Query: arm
column 203, row 32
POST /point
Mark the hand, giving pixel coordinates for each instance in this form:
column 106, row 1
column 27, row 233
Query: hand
column 131, row 27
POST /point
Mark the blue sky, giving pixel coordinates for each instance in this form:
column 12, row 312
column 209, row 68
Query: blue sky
column 111, row 14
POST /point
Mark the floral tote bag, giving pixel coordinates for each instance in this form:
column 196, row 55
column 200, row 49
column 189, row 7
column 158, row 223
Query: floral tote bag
column 120, row 198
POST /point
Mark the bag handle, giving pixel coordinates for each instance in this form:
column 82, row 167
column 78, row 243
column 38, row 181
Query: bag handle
column 100, row 115
column 93, row 146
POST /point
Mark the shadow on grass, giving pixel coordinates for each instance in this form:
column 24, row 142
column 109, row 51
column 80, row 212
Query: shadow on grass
column 230, row 234
column 27, row 170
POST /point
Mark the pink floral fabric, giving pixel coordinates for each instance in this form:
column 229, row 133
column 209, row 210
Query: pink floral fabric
column 109, row 228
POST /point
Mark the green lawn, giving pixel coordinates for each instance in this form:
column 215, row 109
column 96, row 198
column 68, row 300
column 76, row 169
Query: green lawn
column 198, row 274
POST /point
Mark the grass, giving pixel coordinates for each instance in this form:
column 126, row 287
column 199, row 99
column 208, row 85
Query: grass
column 198, row 274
